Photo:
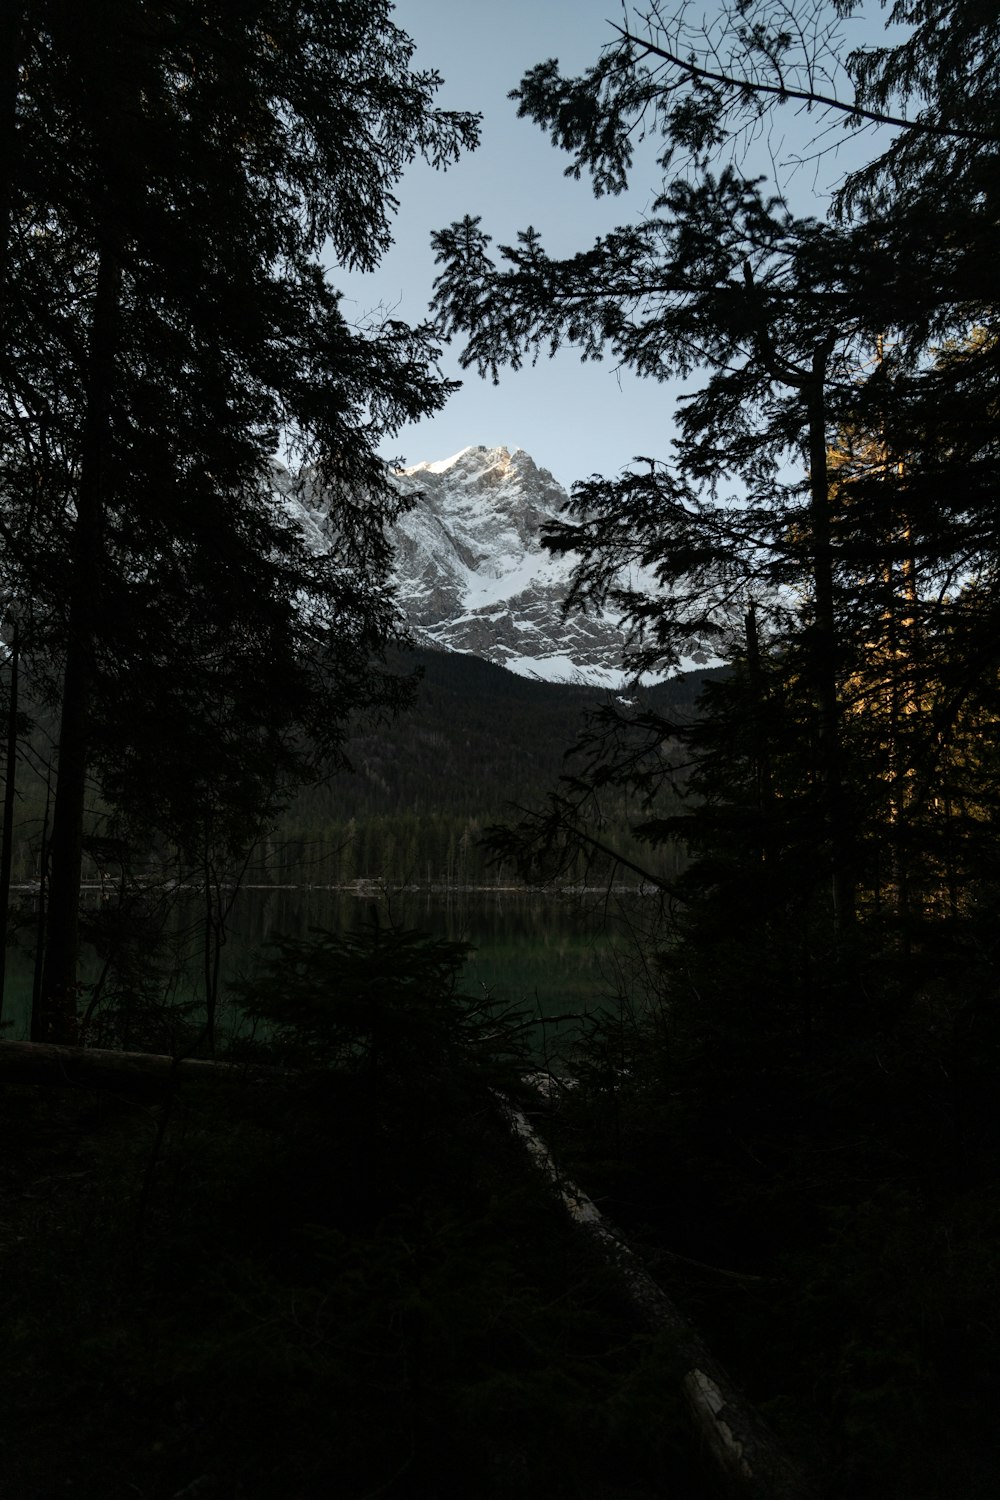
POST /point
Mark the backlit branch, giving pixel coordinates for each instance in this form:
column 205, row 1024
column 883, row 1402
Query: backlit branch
column 783, row 91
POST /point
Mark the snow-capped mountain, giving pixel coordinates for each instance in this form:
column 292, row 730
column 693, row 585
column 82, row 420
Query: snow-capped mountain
column 472, row 574
column 474, row 577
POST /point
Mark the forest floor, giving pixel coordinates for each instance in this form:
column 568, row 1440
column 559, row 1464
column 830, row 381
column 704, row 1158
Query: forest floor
column 247, row 1292
column 347, row 1278
column 831, row 1225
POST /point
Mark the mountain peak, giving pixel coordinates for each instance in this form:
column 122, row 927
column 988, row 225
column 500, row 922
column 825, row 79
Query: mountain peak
column 478, row 458
column 474, row 577
column 471, row 572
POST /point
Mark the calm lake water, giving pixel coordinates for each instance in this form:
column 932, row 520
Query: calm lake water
column 555, row 954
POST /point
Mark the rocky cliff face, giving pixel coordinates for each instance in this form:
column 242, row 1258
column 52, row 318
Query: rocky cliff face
column 474, row 577
column 472, row 573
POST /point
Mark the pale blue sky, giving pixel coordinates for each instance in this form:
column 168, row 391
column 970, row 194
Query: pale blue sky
column 573, row 419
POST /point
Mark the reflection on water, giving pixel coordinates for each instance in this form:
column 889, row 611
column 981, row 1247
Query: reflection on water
column 555, row 954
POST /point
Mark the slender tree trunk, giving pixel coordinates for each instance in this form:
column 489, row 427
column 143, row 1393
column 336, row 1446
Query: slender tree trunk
column 897, row 693
column 7, row 852
column 825, row 653
column 214, row 938
column 57, row 1021
column 43, row 877
column 811, row 382
column 901, row 618
column 763, row 780
column 11, row 36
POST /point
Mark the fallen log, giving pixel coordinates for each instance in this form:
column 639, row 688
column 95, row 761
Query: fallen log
column 745, row 1453
column 137, row 1073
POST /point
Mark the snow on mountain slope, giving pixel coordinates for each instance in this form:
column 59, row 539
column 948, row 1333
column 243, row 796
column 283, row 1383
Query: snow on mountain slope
column 474, row 577
column 471, row 572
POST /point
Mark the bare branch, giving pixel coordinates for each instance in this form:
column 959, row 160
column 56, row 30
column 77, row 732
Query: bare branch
column 808, row 96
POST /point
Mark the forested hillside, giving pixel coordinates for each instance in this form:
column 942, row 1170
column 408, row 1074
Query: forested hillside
column 475, row 745
column 478, row 746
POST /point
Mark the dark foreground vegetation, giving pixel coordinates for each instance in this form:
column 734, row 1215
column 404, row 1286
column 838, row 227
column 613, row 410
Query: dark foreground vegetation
column 341, row 1278
column 827, row 1211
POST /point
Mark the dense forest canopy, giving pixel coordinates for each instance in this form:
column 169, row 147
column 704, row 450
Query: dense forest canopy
column 827, row 514
column 174, row 178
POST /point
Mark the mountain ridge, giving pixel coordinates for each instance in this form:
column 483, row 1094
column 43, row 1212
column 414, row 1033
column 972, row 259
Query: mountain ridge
column 473, row 576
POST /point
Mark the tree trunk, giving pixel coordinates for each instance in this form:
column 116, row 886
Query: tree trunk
column 825, row 655
column 760, row 749
column 7, row 851
column 56, row 1021
column 143, row 1075
column 11, row 33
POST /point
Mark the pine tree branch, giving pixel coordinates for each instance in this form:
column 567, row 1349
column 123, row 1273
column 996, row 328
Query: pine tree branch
column 782, row 91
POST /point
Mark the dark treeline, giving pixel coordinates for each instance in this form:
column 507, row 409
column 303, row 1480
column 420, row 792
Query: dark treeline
column 413, row 804
column 477, row 746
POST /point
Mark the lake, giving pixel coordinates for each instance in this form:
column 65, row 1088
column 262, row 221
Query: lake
column 557, row 954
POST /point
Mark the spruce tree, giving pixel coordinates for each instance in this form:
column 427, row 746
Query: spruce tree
column 179, row 178
column 866, row 584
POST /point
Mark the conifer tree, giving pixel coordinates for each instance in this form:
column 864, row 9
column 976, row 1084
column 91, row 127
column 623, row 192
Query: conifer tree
column 179, row 176
column 798, row 331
